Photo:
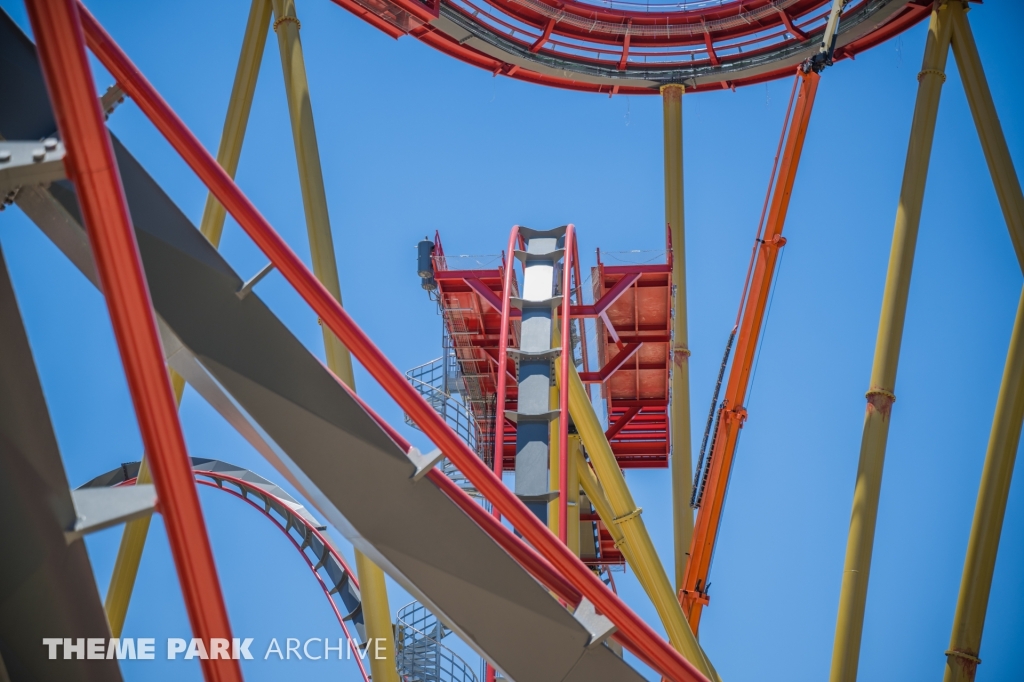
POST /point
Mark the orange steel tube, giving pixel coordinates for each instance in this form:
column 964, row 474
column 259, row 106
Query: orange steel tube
column 91, row 166
column 633, row 632
column 770, row 243
column 563, row 395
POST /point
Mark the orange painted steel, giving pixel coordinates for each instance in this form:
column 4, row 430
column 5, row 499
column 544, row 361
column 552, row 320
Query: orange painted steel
column 632, row 632
column 693, row 595
column 91, row 166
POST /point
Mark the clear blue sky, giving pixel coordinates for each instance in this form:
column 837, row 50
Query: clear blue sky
column 413, row 141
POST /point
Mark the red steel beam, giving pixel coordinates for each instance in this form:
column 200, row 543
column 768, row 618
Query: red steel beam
column 91, row 166
column 793, row 30
column 633, row 632
column 613, row 365
column 499, row 404
column 543, row 36
column 727, row 432
column 621, row 422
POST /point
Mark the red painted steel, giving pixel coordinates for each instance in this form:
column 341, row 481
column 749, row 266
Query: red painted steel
column 633, row 632
column 532, row 31
column 92, row 168
column 634, row 333
column 767, row 247
column 502, row 379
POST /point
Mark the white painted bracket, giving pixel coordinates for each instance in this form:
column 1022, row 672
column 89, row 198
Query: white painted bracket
column 599, row 627
column 423, row 463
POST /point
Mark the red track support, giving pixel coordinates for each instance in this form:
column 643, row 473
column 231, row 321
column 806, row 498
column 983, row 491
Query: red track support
column 91, row 166
column 632, row 632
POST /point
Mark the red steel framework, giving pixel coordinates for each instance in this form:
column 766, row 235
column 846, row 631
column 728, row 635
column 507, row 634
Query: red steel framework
column 622, row 47
column 91, row 167
column 632, row 632
column 633, row 318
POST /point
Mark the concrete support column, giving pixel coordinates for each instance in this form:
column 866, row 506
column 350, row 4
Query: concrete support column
column 880, row 395
column 679, row 414
column 372, row 584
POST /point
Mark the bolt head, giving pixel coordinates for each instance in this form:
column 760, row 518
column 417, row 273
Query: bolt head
column 5, row 155
column 50, row 144
column 38, row 154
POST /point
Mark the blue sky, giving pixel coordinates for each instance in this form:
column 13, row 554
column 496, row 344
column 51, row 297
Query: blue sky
column 413, row 141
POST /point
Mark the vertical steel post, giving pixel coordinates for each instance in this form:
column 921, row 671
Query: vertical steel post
column 372, row 584
column 133, row 540
column 92, row 167
column 962, row 657
column 880, row 395
column 679, row 416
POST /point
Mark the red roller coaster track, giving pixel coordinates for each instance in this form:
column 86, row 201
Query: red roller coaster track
column 628, row 47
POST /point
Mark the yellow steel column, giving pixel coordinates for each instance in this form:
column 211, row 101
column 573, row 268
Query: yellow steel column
column 962, row 657
column 373, row 587
column 573, row 504
column 553, row 463
column 638, row 547
column 880, row 396
column 679, row 418
column 972, row 602
column 126, row 566
column 979, row 97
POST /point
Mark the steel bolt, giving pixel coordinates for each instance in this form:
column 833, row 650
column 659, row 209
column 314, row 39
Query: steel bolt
column 50, row 144
column 5, row 155
column 38, row 154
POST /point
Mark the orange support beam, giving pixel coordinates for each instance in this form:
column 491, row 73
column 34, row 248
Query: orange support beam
column 770, row 242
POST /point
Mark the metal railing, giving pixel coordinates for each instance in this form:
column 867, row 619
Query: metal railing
column 419, row 654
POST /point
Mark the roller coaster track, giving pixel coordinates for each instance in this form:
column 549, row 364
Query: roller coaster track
column 336, row 579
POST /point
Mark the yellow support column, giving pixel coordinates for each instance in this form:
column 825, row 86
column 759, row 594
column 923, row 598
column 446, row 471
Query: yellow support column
column 993, row 143
column 880, row 395
column 129, row 555
column 573, row 534
column 972, row 602
column 373, row 587
column 962, row 657
column 679, row 418
column 625, row 518
column 553, row 468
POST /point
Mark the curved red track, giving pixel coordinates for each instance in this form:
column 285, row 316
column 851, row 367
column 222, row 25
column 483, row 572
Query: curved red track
column 618, row 47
